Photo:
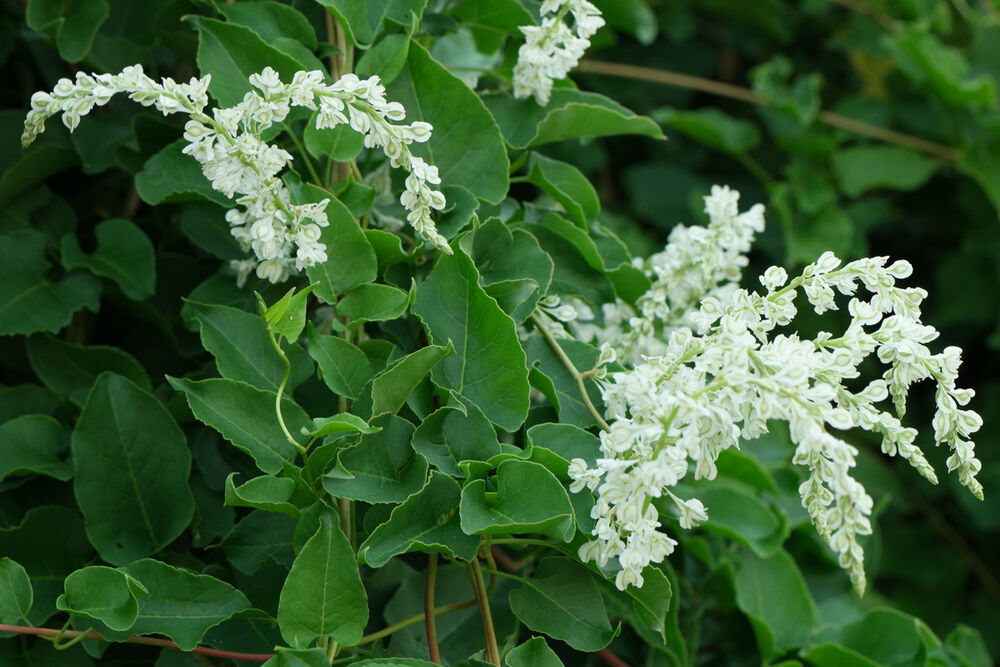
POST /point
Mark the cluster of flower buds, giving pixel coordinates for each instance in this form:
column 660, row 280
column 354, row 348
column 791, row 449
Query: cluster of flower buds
column 284, row 237
column 553, row 48
column 721, row 373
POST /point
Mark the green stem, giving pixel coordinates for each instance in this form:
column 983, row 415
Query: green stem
column 568, row 363
column 416, row 618
column 305, row 156
column 429, row 622
column 346, row 508
column 281, row 391
column 72, row 642
column 482, row 599
column 523, row 540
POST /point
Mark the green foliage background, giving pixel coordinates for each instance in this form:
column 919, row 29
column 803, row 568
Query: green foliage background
column 123, row 286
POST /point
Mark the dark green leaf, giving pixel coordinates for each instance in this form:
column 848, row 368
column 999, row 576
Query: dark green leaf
column 103, row 594
column 350, row 258
column 528, row 499
column 16, row 594
column 533, row 653
column 345, row 368
column 242, row 349
column 70, row 370
column 713, row 128
column 271, row 20
column 323, row 595
column 862, row 168
column 562, row 601
column 124, row 254
column 566, row 393
column 735, row 513
column 372, row 303
column 32, row 444
column 245, row 416
column 272, row 494
column 341, row 143
column 298, row 657
column 426, row 521
column 29, row 300
column 489, row 365
column 926, row 60
column 567, row 185
column 393, row 386
column 130, row 455
column 570, row 114
column 455, row 434
column 364, row 19
column 171, row 176
column 73, row 23
column 466, row 145
column 258, row 536
column 382, row 468
column 773, row 595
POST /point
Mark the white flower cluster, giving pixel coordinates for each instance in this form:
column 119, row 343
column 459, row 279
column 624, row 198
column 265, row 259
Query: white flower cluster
column 723, row 372
column 553, row 48
column 284, row 237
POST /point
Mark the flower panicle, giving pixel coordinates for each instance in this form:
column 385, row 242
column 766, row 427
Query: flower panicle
column 721, row 372
column 283, row 237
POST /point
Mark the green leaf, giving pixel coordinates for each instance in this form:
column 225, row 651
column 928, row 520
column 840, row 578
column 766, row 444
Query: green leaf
column 73, row 23
column 528, row 499
column 364, row 19
column 386, row 59
column 533, row 653
column 862, row 168
column 231, row 53
column 29, row 300
column 455, row 434
column 773, row 595
column 382, row 468
column 561, row 388
column 567, row 185
column 287, row 317
column 979, row 162
column 245, row 416
column 298, row 657
column 103, row 594
column 16, row 594
column 562, row 601
column 342, row 422
column 32, row 444
column 393, row 386
column 570, row 114
column 466, row 145
column 130, row 455
column 927, row 61
column 829, row 654
column 257, row 537
column 205, row 225
column 180, row 604
column 883, row 636
column 631, row 16
column 271, row 20
column 341, row 143
column 566, row 441
column 513, row 268
column 172, row 176
column 491, row 21
column 489, row 366
column 713, row 128
column 323, row 595
column 124, row 254
column 426, row 521
column 372, row 303
column 69, row 370
column 968, row 646
column 268, row 493
column 735, row 513
column 242, row 349
column 345, row 368
column 350, row 258
column 48, row 555
column 797, row 97
column 26, row 399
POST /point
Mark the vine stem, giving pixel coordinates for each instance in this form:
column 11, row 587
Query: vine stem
column 281, row 391
column 653, row 75
column 416, row 618
column 52, row 633
column 429, row 622
column 568, row 363
column 482, row 599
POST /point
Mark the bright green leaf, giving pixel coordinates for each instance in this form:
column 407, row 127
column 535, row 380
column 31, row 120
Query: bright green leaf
column 171, row 176
column 713, row 128
column 364, row 19
column 271, row 20
column 862, row 168
column 489, row 366
column 342, row 422
column 393, row 386
column 350, row 258
column 372, row 303
column 452, row 435
column 533, row 653
column 272, row 494
column 345, row 368
column 323, row 595
column 103, row 594
column 567, row 185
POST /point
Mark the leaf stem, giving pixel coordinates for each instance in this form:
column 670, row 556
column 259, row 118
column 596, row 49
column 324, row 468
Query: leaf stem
column 52, row 633
column 429, row 622
column 416, row 618
column 482, row 599
column 568, row 363
column 940, row 151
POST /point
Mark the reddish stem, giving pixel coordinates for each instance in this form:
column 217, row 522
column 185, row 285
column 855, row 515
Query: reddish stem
column 609, row 658
column 150, row 641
